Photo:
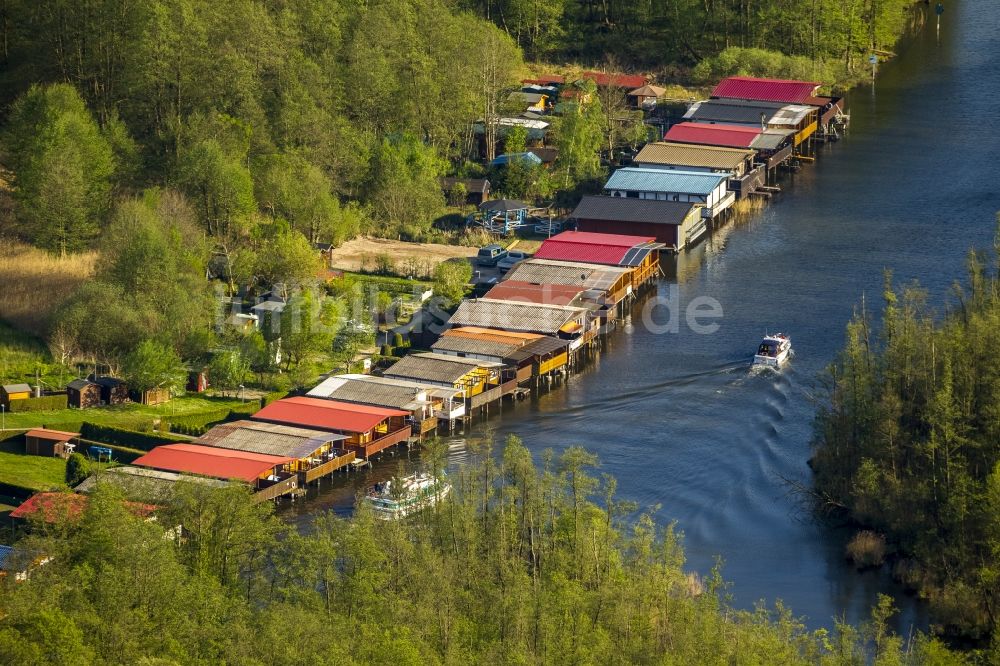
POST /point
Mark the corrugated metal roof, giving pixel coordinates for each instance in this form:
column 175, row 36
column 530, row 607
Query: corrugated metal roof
column 431, row 367
column 528, row 292
column 454, row 344
column 143, row 483
column 686, row 154
column 747, row 112
column 726, row 135
column 588, row 276
column 383, row 394
column 628, row 209
column 268, row 438
column 645, row 179
column 326, row 414
column 496, row 334
column 431, row 389
column 208, row 461
column 529, row 317
column 542, row 346
column 594, row 248
column 772, row 90
column 771, row 139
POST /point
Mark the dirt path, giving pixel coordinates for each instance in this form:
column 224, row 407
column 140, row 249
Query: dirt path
column 361, row 252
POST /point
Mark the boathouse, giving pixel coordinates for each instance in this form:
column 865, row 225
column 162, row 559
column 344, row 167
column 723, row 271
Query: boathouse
column 425, row 403
column 612, row 283
column 369, row 429
column 786, row 91
column 774, row 146
column 676, row 224
column 480, row 382
column 542, row 294
column 316, row 453
column 639, row 253
column 709, row 190
column 143, row 483
column 799, row 118
column 269, row 476
column 744, row 176
column 568, row 323
column 530, row 355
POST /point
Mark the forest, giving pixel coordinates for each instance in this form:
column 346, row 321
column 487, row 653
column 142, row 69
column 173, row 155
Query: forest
column 528, row 562
column 907, row 444
column 191, row 141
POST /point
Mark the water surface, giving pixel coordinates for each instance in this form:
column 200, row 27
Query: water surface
column 677, row 418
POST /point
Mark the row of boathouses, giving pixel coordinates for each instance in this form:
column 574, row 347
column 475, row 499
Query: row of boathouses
column 536, row 325
column 727, row 148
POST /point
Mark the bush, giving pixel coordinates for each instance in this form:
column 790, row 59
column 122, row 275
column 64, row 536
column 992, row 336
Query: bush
column 397, row 339
column 866, row 549
column 128, row 438
column 45, row 403
column 271, row 397
column 78, row 468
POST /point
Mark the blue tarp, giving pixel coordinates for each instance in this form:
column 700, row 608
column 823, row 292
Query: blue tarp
column 510, row 157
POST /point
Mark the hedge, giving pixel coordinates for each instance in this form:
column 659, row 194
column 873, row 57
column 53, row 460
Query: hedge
column 128, row 438
column 46, row 403
column 197, row 424
column 124, row 453
column 271, row 397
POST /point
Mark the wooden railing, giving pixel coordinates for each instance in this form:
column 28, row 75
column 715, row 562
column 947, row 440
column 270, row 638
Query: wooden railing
column 277, row 488
column 492, row 394
column 779, row 157
column 424, row 426
column 376, row 445
column 329, row 467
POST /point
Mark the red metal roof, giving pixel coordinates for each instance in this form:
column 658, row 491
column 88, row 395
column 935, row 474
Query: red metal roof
column 715, row 134
column 766, row 90
column 326, row 414
column 630, row 81
column 588, row 247
column 52, row 435
column 59, row 506
column 209, row 461
column 530, row 292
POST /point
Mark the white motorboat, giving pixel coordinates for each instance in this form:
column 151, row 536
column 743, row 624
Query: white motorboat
column 774, row 351
column 399, row 498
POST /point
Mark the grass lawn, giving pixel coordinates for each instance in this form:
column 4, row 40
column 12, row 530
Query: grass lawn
column 123, row 416
column 37, row 472
column 22, row 355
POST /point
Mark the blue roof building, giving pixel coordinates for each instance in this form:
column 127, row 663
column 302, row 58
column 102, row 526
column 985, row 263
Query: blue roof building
column 697, row 187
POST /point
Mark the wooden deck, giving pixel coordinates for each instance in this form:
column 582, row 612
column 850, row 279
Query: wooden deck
column 376, row 445
column 423, row 427
column 277, row 489
column 492, row 394
column 329, row 467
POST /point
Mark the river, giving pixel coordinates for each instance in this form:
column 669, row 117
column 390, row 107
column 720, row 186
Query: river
column 676, row 418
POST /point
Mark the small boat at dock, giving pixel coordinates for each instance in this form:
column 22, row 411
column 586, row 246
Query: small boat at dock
column 774, row 351
column 398, row 498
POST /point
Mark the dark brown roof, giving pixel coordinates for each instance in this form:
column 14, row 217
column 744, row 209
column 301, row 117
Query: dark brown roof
column 626, row 209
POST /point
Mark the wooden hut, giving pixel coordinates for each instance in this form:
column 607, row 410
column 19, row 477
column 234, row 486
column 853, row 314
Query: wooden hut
column 114, row 391
column 82, row 393
column 607, row 285
column 13, row 392
column 49, row 443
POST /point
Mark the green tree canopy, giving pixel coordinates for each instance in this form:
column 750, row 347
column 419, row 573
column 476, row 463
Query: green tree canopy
column 64, row 167
column 152, row 365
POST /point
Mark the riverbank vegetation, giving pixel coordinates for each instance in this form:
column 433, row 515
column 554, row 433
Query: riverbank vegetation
column 908, row 444
column 520, row 565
